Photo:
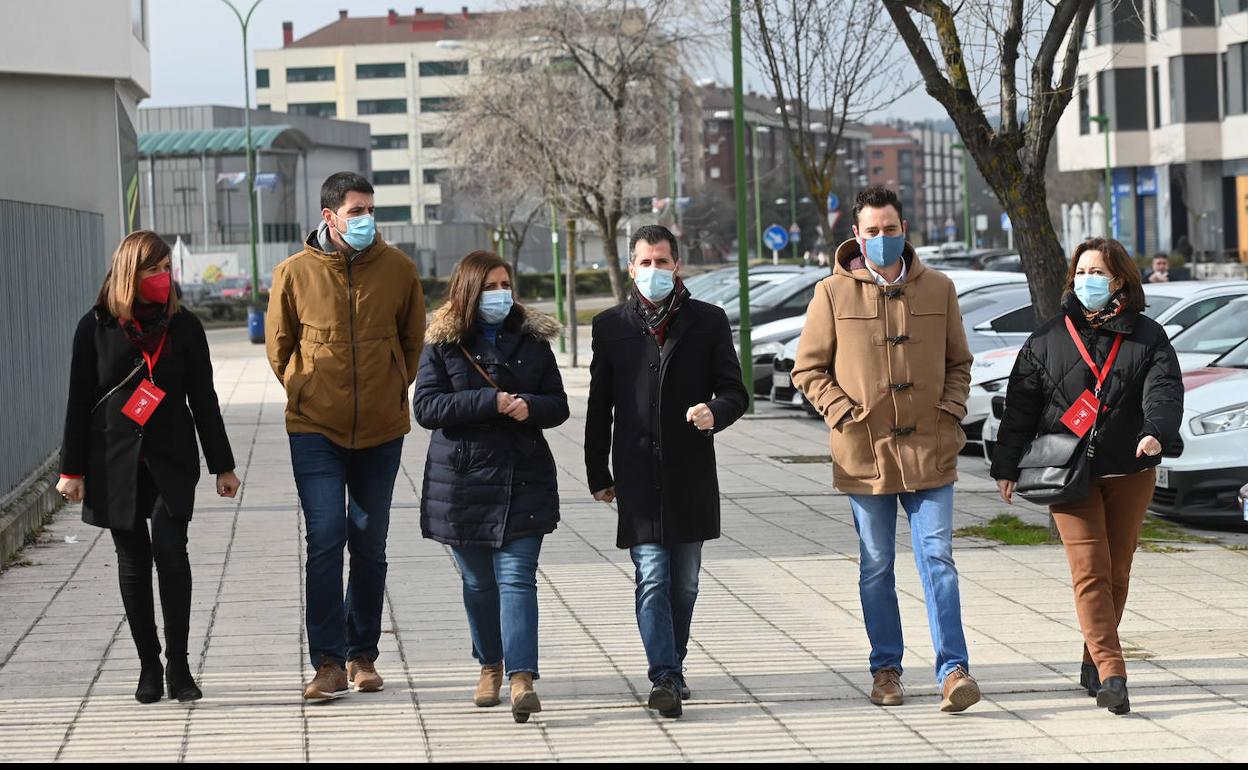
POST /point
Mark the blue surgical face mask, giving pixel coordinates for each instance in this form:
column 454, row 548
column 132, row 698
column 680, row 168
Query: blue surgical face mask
column 883, row 250
column 653, row 283
column 495, row 305
column 360, row 232
column 1092, row 291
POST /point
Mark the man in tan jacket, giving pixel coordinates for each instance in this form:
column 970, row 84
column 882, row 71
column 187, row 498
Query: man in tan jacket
column 344, row 332
column 883, row 357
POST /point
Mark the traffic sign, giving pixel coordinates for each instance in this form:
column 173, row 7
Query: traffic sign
column 834, row 202
column 1005, row 222
column 795, row 231
column 776, row 237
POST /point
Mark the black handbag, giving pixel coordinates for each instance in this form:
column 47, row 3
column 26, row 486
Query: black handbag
column 1056, row 468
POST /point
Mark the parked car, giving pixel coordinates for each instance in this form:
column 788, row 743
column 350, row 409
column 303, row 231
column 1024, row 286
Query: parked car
column 702, row 283
column 234, row 287
column 972, row 259
column 766, row 343
column 1177, row 305
column 1205, row 483
column 998, row 318
column 1011, row 263
column 729, row 290
column 783, row 299
column 1215, row 334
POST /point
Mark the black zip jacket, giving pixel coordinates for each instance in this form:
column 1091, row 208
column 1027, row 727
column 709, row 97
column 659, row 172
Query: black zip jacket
column 1142, row 395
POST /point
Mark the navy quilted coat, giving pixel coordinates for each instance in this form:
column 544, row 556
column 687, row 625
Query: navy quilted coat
column 488, row 478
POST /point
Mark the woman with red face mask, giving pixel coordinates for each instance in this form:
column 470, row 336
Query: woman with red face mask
column 140, row 388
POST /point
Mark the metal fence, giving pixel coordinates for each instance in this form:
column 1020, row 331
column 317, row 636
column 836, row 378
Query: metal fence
column 54, row 262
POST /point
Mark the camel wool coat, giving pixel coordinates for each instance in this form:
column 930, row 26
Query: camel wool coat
column 889, row 369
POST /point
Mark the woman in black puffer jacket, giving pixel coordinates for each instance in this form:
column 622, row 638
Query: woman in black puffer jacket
column 487, row 386
column 1141, row 405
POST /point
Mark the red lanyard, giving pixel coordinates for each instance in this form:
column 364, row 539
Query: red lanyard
column 1102, row 372
column 153, row 358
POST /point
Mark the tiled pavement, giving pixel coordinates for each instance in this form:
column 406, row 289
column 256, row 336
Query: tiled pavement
column 778, row 660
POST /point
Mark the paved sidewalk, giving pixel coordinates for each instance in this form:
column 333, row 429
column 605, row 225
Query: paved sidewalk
column 778, row 661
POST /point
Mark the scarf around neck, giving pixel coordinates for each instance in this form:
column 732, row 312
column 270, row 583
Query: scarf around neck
column 148, row 327
column 657, row 317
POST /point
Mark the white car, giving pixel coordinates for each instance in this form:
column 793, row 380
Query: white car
column 1204, row 482
column 1180, row 304
column 1212, row 336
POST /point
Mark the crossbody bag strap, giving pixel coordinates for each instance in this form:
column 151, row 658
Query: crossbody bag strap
column 119, row 386
column 477, row 366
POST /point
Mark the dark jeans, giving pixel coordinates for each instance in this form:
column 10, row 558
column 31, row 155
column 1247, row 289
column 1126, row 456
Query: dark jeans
column 500, row 595
column 166, row 548
column 667, row 587
column 345, row 494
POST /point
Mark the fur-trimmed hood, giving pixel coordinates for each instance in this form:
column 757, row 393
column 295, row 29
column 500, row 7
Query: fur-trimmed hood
column 444, row 330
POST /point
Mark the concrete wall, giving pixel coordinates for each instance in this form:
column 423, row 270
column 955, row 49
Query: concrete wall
column 59, row 146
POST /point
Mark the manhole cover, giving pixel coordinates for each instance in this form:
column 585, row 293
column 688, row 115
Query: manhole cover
column 801, row 459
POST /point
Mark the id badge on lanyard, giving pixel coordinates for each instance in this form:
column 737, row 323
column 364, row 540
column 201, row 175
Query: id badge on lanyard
column 146, row 396
column 1081, row 415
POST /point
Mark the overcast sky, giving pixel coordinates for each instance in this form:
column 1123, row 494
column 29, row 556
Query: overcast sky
column 196, row 48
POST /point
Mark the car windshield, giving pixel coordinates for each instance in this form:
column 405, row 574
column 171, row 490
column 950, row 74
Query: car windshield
column 778, row 292
column 1217, row 332
column 729, row 289
column 984, row 306
column 1236, row 357
column 1157, row 305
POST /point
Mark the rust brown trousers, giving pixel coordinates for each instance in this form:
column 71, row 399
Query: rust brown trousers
column 1100, row 534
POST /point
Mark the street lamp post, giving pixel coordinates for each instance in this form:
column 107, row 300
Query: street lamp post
column 743, row 261
column 1103, row 122
column 758, row 200
column 966, row 197
column 255, row 319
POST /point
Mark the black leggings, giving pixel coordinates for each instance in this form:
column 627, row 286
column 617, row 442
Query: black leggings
column 136, row 552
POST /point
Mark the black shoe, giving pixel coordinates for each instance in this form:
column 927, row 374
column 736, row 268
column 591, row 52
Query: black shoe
column 182, row 685
column 150, row 688
column 1113, row 696
column 1089, row 679
column 683, row 688
column 665, row 698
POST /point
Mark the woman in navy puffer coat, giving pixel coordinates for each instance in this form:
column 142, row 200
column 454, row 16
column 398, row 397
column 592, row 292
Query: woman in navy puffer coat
column 487, row 386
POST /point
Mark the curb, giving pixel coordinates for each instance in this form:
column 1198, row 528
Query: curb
column 28, row 507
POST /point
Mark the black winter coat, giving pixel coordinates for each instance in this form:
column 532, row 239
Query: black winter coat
column 488, row 478
column 1143, row 391
column 667, row 490
column 105, row 446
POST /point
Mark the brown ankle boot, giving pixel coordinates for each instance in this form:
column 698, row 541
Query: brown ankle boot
column 524, row 700
column 488, row 685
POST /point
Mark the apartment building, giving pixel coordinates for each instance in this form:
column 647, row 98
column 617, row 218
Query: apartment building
column 1166, row 83
column 397, row 73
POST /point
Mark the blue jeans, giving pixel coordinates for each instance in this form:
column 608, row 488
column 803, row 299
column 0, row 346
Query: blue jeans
column 667, row 587
column 345, row 494
column 500, row 595
column 931, row 528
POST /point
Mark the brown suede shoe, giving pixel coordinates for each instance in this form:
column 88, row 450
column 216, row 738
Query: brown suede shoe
column 364, row 676
column 960, row 691
column 329, row 683
column 886, row 689
column 524, row 700
column 488, row 685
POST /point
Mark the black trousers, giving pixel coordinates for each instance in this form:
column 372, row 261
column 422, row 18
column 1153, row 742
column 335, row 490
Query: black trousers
column 165, row 547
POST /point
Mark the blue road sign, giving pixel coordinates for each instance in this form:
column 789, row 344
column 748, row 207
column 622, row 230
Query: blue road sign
column 1005, row 222
column 834, row 202
column 776, row 237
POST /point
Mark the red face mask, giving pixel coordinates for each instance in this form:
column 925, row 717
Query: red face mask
column 155, row 288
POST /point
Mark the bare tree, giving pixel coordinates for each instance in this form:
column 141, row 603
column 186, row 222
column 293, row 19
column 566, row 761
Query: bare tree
column 578, row 98
column 480, row 184
column 981, row 42
column 830, row 63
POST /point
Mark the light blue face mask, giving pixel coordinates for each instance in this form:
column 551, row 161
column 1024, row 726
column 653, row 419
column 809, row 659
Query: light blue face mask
column 884, row 250
column 1092, row 291
column 495, row 305
column 361, row 231
column 653, row 283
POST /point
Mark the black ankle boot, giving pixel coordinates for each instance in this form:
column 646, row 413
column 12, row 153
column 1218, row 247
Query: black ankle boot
column 1113, row 696
column 181, row 684
column 1089, row 679
column 150, row 689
